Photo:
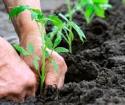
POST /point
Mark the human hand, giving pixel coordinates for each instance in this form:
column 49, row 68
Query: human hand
column 17, row 80
column 55, row 78
column 52, row 78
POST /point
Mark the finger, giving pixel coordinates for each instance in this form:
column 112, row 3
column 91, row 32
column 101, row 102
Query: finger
column 61, row 82
column 12, row 95
column 3, row 92
column 51, row 76
column 16, row 97
column 30, row 91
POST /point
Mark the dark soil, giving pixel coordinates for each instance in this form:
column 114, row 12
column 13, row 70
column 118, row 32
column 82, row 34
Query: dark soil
column 96, row 69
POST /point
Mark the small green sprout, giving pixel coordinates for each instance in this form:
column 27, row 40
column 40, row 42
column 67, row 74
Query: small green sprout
column 69, row 35
column 90, row 8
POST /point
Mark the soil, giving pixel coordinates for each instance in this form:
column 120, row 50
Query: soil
column 96, row 69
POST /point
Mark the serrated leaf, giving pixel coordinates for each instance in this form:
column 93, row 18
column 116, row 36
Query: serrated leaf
column 17, row 10
column 78, row 30
column 61, row 50
column 57, row 40
column 56, row 21
column 21, row 50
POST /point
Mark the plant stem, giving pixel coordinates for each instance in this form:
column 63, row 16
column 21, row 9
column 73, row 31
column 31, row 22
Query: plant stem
column 43, row 69
column 70, row 48
column 70, row 28
column 69, row 9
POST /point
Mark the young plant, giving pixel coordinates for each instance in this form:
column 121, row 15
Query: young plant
column 89, row 8
column 69, row 35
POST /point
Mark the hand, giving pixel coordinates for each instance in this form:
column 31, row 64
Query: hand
column 52, row 78
column 17, row 81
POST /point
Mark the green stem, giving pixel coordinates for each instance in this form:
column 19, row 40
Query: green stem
column 43, row 69
column 69, row 9
column 70, row 48
column 70, row 19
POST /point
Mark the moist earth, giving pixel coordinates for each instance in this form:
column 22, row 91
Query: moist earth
column 96, row 69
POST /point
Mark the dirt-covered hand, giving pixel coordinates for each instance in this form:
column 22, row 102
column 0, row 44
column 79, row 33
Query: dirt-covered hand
column 17, row 80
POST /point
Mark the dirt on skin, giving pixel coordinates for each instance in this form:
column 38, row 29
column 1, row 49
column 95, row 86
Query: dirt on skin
column 96, row 69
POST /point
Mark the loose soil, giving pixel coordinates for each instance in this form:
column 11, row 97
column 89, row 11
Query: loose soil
column 96, row 69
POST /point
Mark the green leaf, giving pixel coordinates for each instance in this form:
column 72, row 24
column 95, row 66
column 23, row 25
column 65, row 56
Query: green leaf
column 99, row 11
column 30, row 48
column 78, row 30
column 63, row 17
column 17, row 10
column 89, row 13
column 47, row 55
column 101, row 1
column 55, row 65
column 48, row 42
column 85, row 2
column 105, row 6
column 57, row 40
column 36, row 62
column 38, row 11
column 61, row 50
column 21, row 50
column 56, row 21
column 66, row 36
column 71, row 35
column 54, row 32
column 37, row 15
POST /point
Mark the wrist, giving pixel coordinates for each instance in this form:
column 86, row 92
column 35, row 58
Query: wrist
column 24, row 24
column 29, row 28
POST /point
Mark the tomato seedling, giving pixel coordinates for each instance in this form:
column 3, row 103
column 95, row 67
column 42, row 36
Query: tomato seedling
column 89, row 8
